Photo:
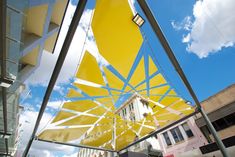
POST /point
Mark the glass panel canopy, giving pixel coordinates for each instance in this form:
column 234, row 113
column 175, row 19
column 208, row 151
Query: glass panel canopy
column 105, row 83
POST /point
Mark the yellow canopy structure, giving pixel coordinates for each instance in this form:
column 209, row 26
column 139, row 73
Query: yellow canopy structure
column 93, row 120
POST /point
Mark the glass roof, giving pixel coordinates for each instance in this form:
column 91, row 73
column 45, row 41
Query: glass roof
column 124, row 67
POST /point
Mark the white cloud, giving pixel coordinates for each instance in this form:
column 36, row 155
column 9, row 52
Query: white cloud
column 186, row 38
column 185, row 24
column 212, row 28
column 42, row 74
column 39, row 149
column 54, row 104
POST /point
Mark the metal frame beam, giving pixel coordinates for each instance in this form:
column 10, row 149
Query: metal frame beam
column 63, row 53
column 159, row 130
column 157, row 30
column 77, row 145
column 3, row 58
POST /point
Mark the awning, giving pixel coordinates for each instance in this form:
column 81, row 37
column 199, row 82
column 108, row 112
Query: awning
column 90, row 117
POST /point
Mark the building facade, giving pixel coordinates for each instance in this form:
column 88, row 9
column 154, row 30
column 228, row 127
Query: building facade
column 220, row 109
column 191, row 137
column 30, row 28
column 134, row 109
column 181, row 139
column 93, row 153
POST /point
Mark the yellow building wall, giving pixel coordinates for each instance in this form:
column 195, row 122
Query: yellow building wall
column 31, row 58
column 35, row 20
column 50, row 43
column 58, row 11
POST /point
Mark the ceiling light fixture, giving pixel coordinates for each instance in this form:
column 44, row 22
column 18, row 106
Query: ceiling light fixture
column 137, row 19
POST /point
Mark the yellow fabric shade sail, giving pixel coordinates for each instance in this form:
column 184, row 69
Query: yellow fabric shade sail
column 80, row 106
column 73, row 93
column 152, row 67
column 89, row 69
column 116, row 82
column 62, row 115
column 115, row 33
column 90, row 116
column 63, row 135
column 139, row 71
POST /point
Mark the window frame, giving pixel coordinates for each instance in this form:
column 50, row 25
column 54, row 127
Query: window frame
column 167, row 139
column 186, row 131
column 179, row 136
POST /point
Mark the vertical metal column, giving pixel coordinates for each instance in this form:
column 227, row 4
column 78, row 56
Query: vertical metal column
column 3, row 58
column 64, row 50
column 3, row 53
column 153, row 22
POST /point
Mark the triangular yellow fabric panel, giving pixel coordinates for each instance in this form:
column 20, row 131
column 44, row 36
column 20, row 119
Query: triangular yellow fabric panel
column 128, row 89
column 145, row 131
column 73, row 93
column 152, row 66
column 106, row 101
column 139, row 73
column 115, row 98
column 92, row 91
column 116, row 93
column 172, row 92
column 113, row 80
column 62, row 115
column 155, row 98
column 80, row 106
column 166, row 101
column 154, row 107
column 143, row 92
column 97, row 139
column 116, row 34
column 89, row 69
column 98, row 111
column 80, row 120
column 157, row 80
column 125, row 139
column 159, row 90
column 63, row 135
column 142, row 86
column 181, row 105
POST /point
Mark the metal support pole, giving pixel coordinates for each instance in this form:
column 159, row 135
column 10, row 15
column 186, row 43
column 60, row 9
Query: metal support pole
column 64, row 50
column 3, row 53
column 153, row 22
column 3, row 58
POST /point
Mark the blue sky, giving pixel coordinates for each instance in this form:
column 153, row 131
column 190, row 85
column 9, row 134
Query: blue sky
column 207, row 62
column 207, row 75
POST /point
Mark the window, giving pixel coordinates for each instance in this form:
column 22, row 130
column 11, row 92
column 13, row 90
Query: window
column 132, row 118
column 131, row 107
column 167, row 139
column 187, row 130
column 224, row 122
column 177, row 134
column 230, row 119
column 124, row 112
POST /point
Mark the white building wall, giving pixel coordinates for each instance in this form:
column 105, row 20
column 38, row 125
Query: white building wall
column 126, row 112
column 139, row 110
